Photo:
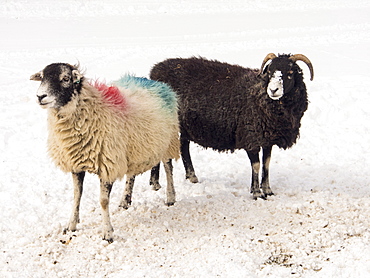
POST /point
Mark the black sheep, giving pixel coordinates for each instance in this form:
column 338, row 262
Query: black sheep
column 227, row 107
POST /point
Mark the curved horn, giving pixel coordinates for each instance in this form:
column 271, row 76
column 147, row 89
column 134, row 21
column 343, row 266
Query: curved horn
column 269, row 56
column 74, row 67
column 301, row 57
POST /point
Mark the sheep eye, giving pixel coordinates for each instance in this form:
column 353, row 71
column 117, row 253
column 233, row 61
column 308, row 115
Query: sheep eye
column 290, row 74
column 66, row 78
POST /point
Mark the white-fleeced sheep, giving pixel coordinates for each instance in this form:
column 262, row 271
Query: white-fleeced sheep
column 111, row 131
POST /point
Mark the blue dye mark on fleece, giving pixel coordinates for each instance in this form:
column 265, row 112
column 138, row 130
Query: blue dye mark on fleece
column 164, row 91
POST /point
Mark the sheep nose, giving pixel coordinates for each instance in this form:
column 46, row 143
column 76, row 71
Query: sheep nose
column 41, row 97
column 274, row 91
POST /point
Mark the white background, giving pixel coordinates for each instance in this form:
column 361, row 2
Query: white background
column 317, row 224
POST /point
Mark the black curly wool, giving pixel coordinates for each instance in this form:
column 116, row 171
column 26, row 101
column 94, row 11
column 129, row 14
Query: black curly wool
column 226, row 107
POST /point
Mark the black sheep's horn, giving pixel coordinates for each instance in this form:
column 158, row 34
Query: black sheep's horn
column 301, row 57
column 269, row 56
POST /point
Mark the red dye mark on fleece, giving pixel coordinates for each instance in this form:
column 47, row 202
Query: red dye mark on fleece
column 111, row 94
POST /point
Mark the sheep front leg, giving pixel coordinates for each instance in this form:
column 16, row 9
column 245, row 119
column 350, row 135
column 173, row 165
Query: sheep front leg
column 255, row 163
column 105, row 189
column 127, row 193
column 171, row 194
column 78, row 179
column 265, row 184
column 186, row 159
column 154, row 178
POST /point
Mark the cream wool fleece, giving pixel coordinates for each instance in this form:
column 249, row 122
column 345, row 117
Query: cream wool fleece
column 92, row 134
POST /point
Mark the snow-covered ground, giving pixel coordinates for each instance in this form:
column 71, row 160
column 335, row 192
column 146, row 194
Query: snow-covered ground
column 317, row 224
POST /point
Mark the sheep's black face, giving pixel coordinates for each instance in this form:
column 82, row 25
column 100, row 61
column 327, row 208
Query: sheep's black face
column 59, row 82
column 281, row 77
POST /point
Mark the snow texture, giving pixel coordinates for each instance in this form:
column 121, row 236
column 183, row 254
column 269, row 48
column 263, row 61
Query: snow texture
column 317, row 224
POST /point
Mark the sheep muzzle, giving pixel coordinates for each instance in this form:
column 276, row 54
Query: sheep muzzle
column 275, row 88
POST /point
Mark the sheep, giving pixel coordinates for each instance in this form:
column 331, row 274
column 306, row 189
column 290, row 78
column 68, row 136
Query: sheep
column 227, row 107
column 110, row 131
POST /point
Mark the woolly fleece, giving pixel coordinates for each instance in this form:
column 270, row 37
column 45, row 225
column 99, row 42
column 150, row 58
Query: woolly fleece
column 226, row 107
column 95, row 134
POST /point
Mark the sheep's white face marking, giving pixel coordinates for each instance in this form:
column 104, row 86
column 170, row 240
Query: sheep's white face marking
column 275, row 88
column 44, row 98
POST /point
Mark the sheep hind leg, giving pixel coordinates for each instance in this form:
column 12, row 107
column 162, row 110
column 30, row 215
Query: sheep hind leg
column 186, row 159
column 255, row 163
column 105, row 190
column 78, row 179
column 154, row 178
column 127, row 193
column 171, row 194
column 265, row 184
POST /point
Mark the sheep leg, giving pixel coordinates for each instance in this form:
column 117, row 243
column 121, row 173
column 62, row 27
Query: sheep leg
column 171, row 194
column 154, row 178
column 105, row 189
column 255, row 163
column 78, row 179
column 127, row 193
column 186, row 159
column 265, row 184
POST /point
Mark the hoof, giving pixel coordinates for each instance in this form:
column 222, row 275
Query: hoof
column 155, row 186
column 66, row 230
column 193, row 179
column 125, row 202
column 123, row 206
column 170, row 204
column 109, row 240
column 108, row 234
column 267, row 191
column 259, row 195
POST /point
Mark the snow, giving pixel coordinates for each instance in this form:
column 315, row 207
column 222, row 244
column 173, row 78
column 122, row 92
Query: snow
column 317, row 224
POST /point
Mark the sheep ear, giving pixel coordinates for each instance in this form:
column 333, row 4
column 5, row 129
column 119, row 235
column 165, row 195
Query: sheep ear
column 37, row 76
column 77, row 76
